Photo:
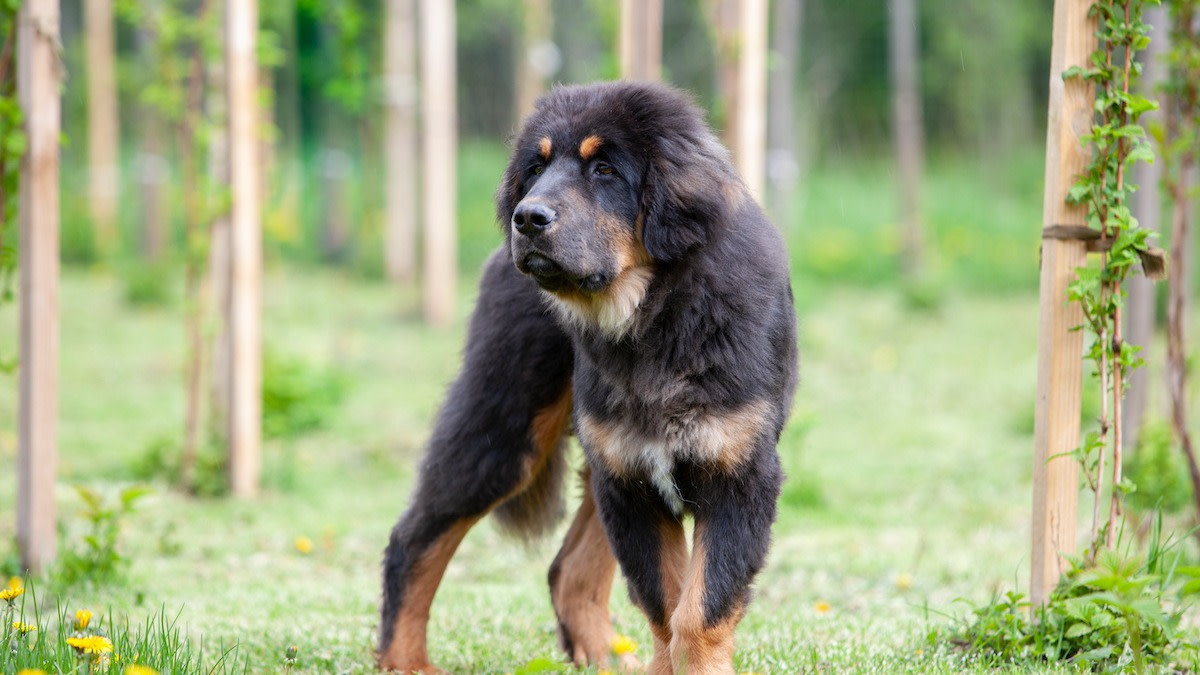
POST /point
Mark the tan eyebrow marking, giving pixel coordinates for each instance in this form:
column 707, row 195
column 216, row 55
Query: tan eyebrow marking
column 589, row 146
column 544, row 147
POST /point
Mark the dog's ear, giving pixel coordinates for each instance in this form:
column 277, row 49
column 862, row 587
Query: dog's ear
column 508, row 194
column 684, row 196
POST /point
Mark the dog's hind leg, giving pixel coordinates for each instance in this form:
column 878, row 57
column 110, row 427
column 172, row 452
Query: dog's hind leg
column 497, row 442
column 581, row 580
column 449, row 500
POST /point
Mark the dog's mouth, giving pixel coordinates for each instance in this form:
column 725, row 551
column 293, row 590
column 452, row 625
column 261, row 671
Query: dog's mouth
column 551, row 276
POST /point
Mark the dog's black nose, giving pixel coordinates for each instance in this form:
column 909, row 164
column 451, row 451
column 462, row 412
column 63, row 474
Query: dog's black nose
column 533, row 218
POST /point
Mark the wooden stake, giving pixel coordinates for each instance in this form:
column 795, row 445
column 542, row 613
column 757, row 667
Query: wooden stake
column 751, row 148
column 400, row 73
column 39, row 72
column 907, row 130
column 245, row 251
column 538, row 28
column 1060, row 349
column 439, row 112
column 103, row 130
column 640, row 40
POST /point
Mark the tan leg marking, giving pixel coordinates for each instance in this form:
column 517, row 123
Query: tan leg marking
column 581, row 590
column 550, row 423
column 698, row 649
column 672, row 568
column 408, row 652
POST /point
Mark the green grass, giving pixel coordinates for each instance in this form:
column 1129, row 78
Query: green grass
column 908, row 453
column 908, row 484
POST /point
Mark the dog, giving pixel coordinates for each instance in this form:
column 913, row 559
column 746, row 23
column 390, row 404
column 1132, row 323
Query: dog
column 641, row 301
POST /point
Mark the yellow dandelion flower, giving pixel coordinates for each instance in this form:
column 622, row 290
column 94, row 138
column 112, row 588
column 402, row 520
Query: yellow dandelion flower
column 605, row 672
column 23, row 628
column 31, row 671
column 304, row 545
column 622, row 645
column 904, row 581
column 139, row 670
column 16, row 582
column 822, row 607
column 12, row 593
column 82, row 618
column 93, row 644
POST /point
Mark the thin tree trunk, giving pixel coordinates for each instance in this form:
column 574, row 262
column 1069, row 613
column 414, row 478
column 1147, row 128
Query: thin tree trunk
column 784, row 163
column 400, row 72
column 103, row 131
column 724, row 17
column 1182, row 108
column 907, row 130
column 640, row 39
column 38, row 77
column 535, row 49
column 1146, row 205
column 439, row 109
column 245, row 251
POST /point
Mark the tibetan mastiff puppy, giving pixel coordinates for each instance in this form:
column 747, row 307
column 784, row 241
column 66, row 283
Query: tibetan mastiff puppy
column 641, row 301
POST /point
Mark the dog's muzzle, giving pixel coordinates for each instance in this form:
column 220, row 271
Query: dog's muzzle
column 551, row 276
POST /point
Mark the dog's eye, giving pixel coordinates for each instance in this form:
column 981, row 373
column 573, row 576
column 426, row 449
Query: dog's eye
column 605, row 169
column 537, row 169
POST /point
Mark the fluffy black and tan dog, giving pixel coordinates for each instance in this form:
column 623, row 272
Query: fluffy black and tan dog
column 641, row 300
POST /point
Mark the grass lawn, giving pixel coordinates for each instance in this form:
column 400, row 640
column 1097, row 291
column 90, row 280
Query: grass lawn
column 908, row 457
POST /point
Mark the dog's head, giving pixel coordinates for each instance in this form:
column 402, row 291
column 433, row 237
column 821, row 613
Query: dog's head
column 605, row 183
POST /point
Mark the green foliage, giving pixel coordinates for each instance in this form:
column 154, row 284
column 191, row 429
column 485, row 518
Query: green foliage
column 1157, row 468
column 1117, row 140
column 161, row 462
column 148, row 284
column 298, row 397
column 96, row 556
column 31, row 637
column 12, row 147
column 1110, row 615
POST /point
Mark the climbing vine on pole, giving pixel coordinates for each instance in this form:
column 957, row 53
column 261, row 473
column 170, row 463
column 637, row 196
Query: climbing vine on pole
column 1117, row 140
column 12, row 148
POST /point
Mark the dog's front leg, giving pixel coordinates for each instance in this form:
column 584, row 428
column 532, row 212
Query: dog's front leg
column 649, row 542
column 729, row 546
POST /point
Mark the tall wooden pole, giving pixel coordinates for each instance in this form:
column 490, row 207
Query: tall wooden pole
column 38, row 81
column 1060, row 346
column 439, row 111
column 245, row 251
column 784, row 159
column 640, row 39
column 751, row 150
column 907, row 130
column 103, row 131
column 538, row 28
column 400, row 73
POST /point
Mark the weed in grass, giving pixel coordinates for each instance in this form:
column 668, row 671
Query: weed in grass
column 148, row 284
column 161, row 461
column 298, row 397
column 1157, row 468
column 96, row 556
column 1119, row 613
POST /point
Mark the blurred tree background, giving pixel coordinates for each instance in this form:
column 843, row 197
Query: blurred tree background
column 983, row 73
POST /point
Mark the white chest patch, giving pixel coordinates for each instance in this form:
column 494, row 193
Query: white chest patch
column 721, row 440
